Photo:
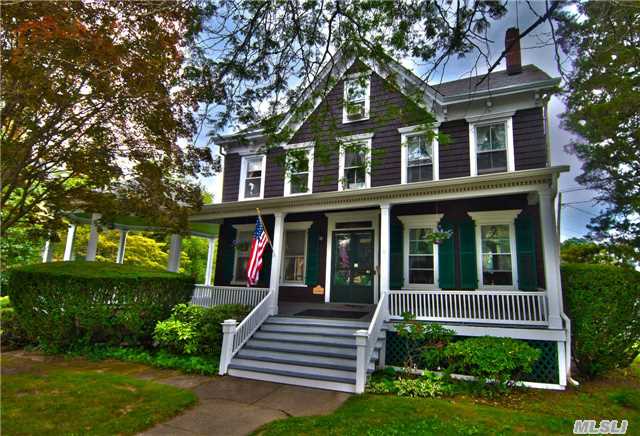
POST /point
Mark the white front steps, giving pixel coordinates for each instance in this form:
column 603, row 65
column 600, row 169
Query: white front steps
column 313, row 352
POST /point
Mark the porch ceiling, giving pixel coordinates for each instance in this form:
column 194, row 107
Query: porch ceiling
column 455, row 188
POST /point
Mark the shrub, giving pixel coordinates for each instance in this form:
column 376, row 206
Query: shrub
column 64, row 305
column 423, row 342
column 429, row 385
column 195, row 329
column 12, row 335
column 603, row 303
column 499, row 359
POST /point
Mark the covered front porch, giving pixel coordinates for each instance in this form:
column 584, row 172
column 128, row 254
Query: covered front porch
column 497, row 273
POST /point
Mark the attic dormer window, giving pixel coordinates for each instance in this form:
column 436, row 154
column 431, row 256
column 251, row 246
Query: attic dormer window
column 356, row 99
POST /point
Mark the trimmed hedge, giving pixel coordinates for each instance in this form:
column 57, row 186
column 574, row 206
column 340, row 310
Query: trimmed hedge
column 63, row 305
column 603, row 303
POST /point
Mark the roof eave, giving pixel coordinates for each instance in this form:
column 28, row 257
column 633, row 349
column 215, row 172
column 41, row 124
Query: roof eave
column 505, row 90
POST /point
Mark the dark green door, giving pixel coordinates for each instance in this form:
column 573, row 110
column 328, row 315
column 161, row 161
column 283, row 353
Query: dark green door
column 352, row 271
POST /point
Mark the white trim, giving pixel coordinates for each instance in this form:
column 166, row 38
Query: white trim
column 365, row 137
column 244, row 227
column 346, row 217
column 243, row 176
column 310, row 147
column 490, row 117
column 406, row 133
column 298, row 145
column 429, row 221
column 367, row 97
column 473, row 159
column 295, row 226
column 497, row 217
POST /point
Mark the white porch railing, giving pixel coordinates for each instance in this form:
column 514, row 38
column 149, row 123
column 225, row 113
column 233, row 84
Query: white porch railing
column 366, row 341
column 488, row 307
column 209, row 296
column 235, row 336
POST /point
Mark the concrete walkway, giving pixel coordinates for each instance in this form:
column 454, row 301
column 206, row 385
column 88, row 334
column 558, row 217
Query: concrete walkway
column 233, row 406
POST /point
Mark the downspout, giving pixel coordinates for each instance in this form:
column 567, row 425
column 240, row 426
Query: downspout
column 567, row 328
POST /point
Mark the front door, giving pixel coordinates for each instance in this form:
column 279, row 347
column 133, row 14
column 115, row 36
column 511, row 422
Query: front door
column 352, row 272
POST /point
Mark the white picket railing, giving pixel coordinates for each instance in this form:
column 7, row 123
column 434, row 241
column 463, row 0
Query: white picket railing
column 209, row 296
column 235, row 335
column 366, row 341
column 488, row 307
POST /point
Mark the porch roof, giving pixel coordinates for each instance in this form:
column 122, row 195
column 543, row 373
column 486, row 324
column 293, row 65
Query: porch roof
column 461, row 187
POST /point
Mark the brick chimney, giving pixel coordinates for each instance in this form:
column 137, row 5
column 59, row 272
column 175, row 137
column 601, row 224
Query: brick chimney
column 514, row 63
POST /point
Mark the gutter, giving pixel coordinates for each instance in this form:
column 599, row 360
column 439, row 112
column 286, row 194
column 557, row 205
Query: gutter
column 497, row 92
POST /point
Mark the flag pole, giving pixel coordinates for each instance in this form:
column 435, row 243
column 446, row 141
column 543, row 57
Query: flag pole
column 264, row 227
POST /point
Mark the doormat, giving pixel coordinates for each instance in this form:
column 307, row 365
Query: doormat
column 324, row 313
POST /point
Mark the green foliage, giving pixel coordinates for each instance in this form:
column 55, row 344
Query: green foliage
column 499, row 359
column 12, row 335
column 602, row 96
column 578, row 250
column 17, row 247
column 428, row 385
column 67, row 304
column 424, row 343
column 603, row 303
column 195, row 329
column 205, row 365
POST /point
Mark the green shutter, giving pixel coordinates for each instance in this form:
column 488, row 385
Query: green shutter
column 468, row 267
column 313, row 251
column 396, row 233
column 447, row 259
column 526, row 253
column 228, row 234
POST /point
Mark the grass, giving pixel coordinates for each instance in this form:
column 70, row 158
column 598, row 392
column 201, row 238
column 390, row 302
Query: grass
column 534, row 412
column 53, row 399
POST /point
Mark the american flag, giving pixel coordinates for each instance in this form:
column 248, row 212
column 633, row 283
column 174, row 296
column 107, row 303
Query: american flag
column 260, row 240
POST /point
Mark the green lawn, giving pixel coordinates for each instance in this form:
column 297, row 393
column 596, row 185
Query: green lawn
column 525, row 412
column 76, row 401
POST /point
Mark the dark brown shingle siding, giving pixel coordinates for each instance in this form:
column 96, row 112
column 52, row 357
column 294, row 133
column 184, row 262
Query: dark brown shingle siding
column 529, row 143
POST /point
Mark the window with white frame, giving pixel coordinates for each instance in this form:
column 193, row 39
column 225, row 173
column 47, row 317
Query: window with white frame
column 252, row 177
column 356, row 98
column 299, row 179
column 491, row 146
column 244, row 237
column 419, row 156
column 355, row 155
column 420, row 254
column 295, row 253
column 496, row 248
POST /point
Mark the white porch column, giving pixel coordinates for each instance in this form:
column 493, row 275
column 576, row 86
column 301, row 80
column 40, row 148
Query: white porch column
column 47, row 252
column 276, row 260
column 175, row 245
column 122, row 245
column 92, row 244
column 361, row 363
column 228, row 334
column 68, row 248
column 551, row 254
column 209, row 271
column 385, row 232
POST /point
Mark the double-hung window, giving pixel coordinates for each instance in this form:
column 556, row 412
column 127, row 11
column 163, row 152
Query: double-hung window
column 496, row 248
column 354, row 164
column 295, row 253
column 356, row 98
column 420, row 253
column 244, row 237
column 491, row 147
column 299, row 177
column 252, row 177
column 419, row 156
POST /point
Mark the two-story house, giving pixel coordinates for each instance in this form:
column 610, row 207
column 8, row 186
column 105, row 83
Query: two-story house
column 351, row 250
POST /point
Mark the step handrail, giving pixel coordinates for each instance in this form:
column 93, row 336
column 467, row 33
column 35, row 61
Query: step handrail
column 236, row 335
column 366, row 341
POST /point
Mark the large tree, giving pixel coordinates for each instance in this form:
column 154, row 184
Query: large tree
column 603, row 108
column 97, row 111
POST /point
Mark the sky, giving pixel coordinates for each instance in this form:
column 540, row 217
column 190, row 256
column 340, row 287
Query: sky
column 536, row 49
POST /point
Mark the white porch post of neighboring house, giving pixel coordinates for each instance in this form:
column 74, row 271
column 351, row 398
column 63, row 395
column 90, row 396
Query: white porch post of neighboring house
column 122, row 245
column 276, row 260
column 551, row 256
column 47, row 252
column 68, row 248
column 175, row 245
column 385, row 222
column 209, row 271
column 92, row 244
